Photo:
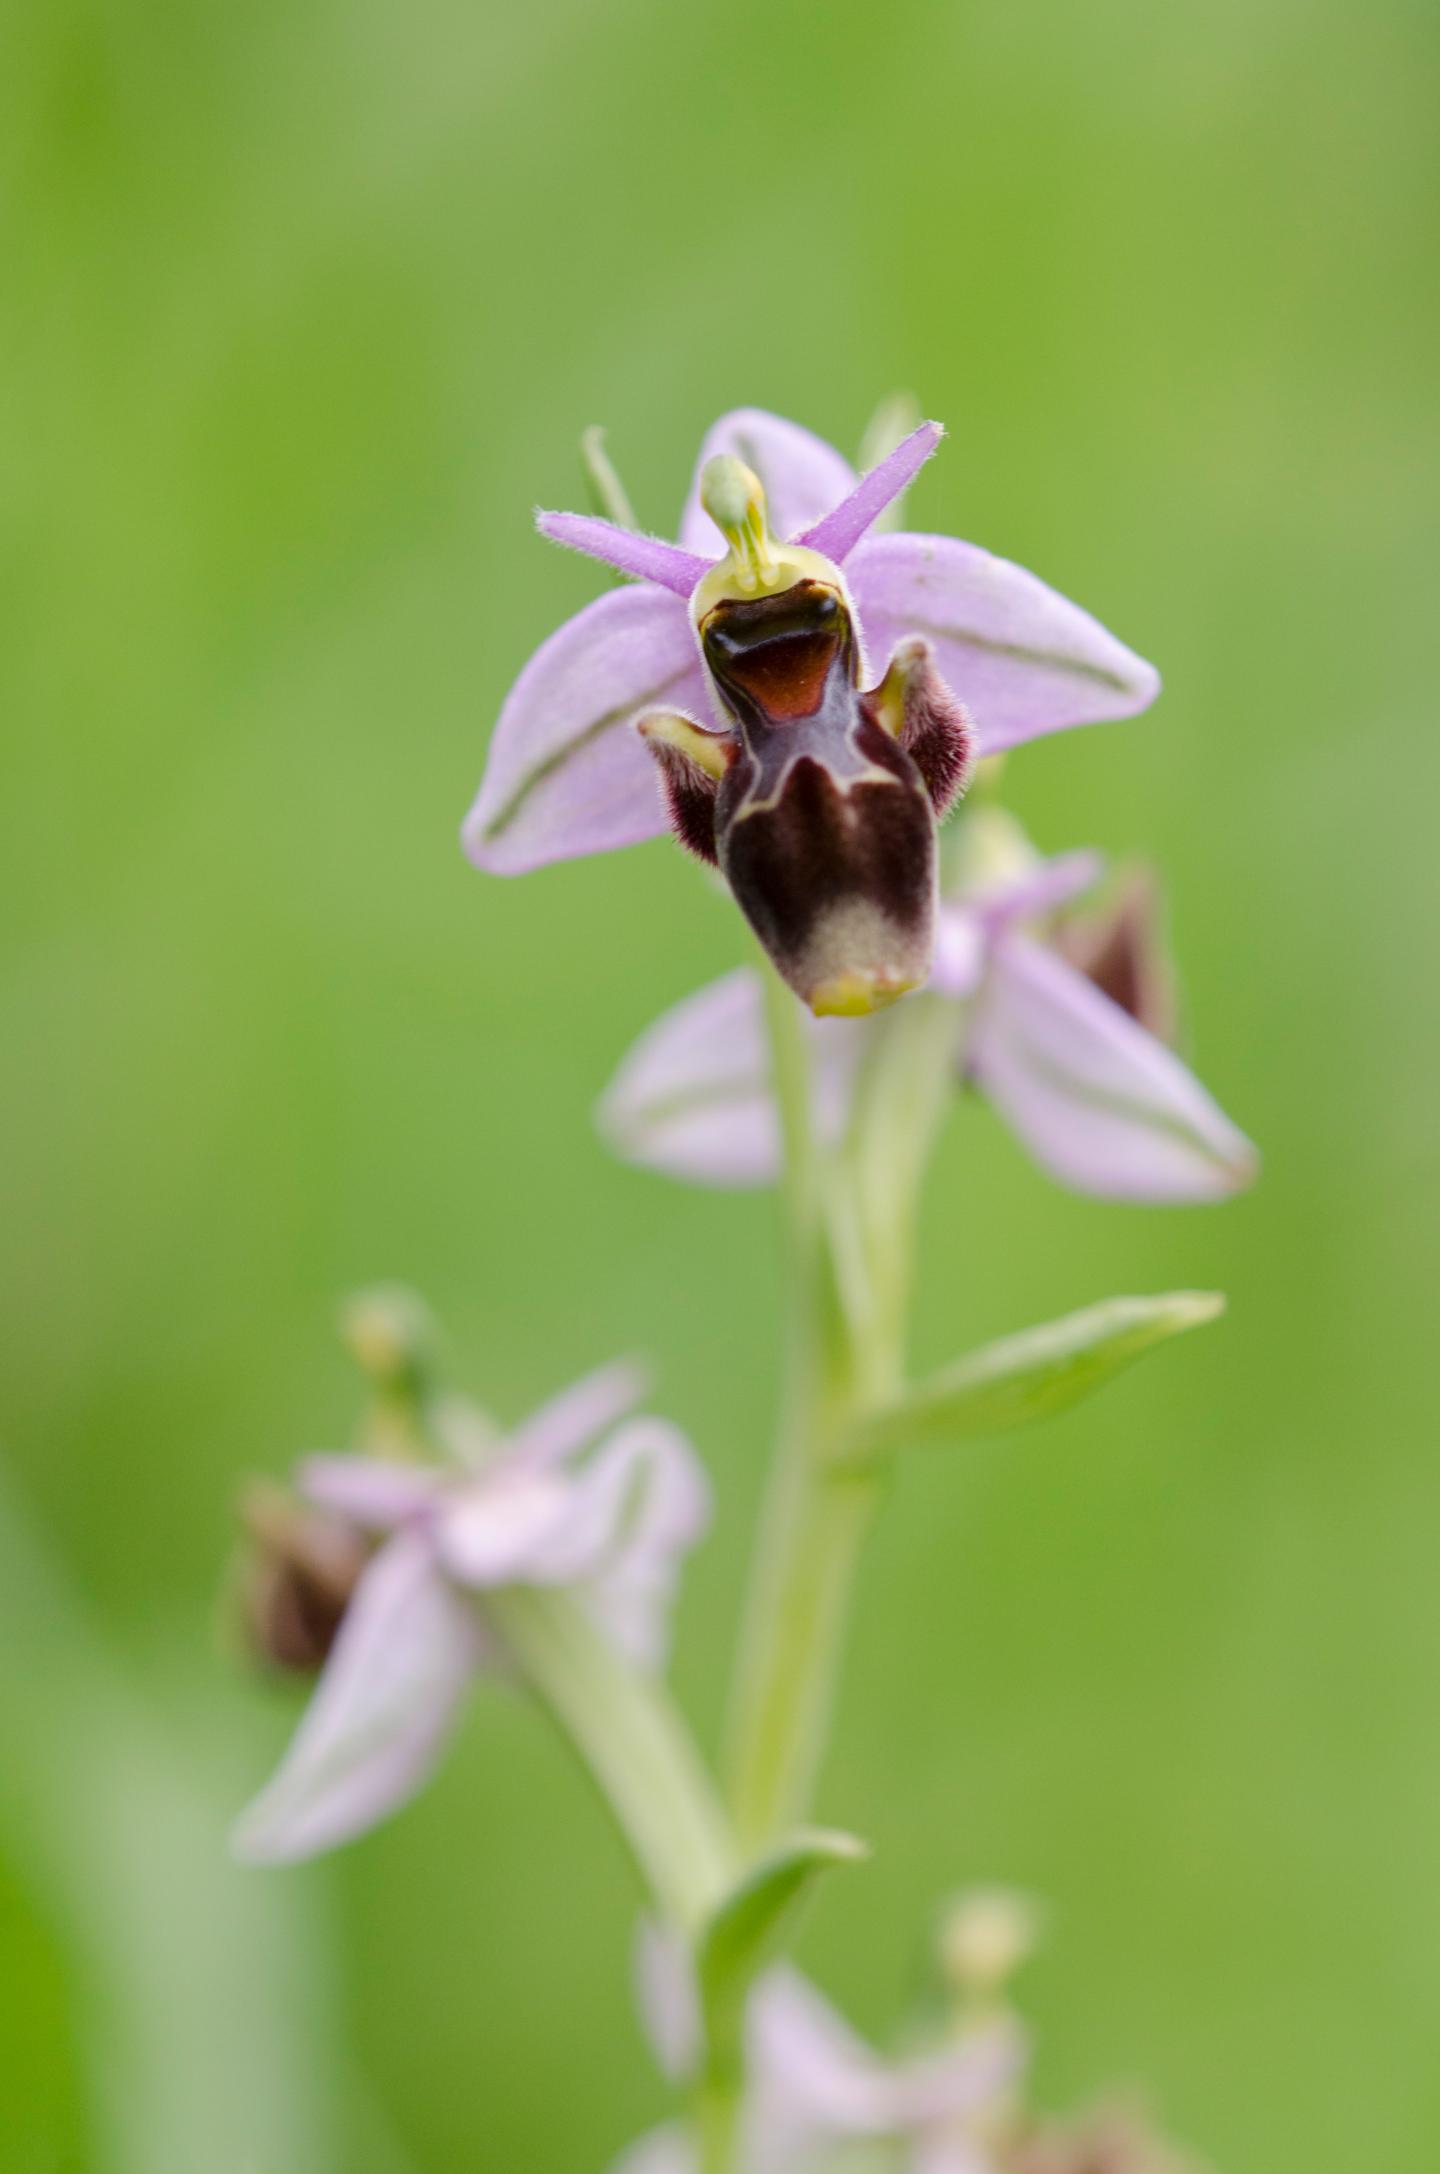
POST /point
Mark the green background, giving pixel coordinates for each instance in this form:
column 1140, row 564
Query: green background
column 305, row 306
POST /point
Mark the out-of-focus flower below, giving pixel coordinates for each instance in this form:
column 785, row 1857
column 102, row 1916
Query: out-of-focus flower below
column 1098, row 1100
column 582, row 1496
column 1119, row 945
column 819, row 2097
column 802, row 695
column 986, row 1934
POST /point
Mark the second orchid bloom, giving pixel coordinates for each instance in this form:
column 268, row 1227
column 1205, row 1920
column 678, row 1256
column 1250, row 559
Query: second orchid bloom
column 1098, row 1099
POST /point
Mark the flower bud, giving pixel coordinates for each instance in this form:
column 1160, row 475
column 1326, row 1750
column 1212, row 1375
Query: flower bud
column 296, row 1581
column 1120, row 946
column 390, row 1336
column 985, row 1937
column 1110, row 2141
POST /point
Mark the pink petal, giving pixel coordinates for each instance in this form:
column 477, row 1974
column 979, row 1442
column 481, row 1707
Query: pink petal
column 1039, row 890
column 959, row 952
column 821, row 2078
column 616, row 1530
column 381, row 1713
column 1098, row 1102
column 841, row 530
column 626, row 550
column 692, row 1097
column 969, row 922
column 644, row 1502
column 803, row 476
column 1022, row 658
column 496, row 1531
column 376, row 1493
column 566, row 775
column 568, row 1423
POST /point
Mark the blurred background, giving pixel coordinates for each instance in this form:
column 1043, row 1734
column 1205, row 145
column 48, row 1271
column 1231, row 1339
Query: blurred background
column 306, row 306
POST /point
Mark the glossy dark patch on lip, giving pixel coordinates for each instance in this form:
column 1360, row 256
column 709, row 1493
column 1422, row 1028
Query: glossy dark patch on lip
column 823, row 824
column 781, row 658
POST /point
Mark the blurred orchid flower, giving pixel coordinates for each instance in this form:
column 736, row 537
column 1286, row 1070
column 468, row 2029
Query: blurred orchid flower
column 746, row 676
column 582, row 1495
column 816, row 2088
column 1097, row 1100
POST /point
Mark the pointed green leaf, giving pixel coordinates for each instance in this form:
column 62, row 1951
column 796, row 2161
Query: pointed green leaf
column 1035, row 1374
column 748, row 1926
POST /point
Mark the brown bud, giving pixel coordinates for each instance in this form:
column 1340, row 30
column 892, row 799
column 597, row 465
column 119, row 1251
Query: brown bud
column 1120, row 946
column 1108, row 2141
column 295, row 1583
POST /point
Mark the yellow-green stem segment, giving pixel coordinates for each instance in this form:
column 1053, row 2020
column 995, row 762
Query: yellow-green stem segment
column 850, row 1235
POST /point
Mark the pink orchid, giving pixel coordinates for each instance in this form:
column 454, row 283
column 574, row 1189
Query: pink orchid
column 1099, row 1102
column 547, row 1507
column 815, row 2087
column 747, row 678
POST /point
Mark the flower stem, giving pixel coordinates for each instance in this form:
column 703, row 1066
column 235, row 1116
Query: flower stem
column 632, row 1742
column 850, row 1238
column 641, row 1757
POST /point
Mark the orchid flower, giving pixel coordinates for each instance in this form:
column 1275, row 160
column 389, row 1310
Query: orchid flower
column 814, row 695
column 817, row 2091
column 582, row 1495
column 1098, row 1101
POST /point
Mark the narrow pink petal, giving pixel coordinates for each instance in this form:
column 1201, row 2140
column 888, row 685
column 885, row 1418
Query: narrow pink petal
column 1021, row 657
column 962, row 2081
column 1099, row 1103
column 566, row 774
column 626, row 550
column 803, row 476
column 496, row 1531
column 381, row 1713
column 818, row 2075
column 616, row 1531
column 692, row 1097
column 1050, row 883
column 959, row 952
column 842, row 528
column 641, row 1506
column 568, row 1423
column 820, row 2079
column 373, row 1491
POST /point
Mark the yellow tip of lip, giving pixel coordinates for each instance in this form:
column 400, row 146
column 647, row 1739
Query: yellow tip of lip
column 855, row 995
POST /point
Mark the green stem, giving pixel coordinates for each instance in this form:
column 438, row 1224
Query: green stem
column 634, row 1745
column 632, row 1742
column 716, row 2119
column 850, row 1232
column 640, row 1755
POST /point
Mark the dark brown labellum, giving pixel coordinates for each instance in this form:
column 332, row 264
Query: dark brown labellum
column 824, row 827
